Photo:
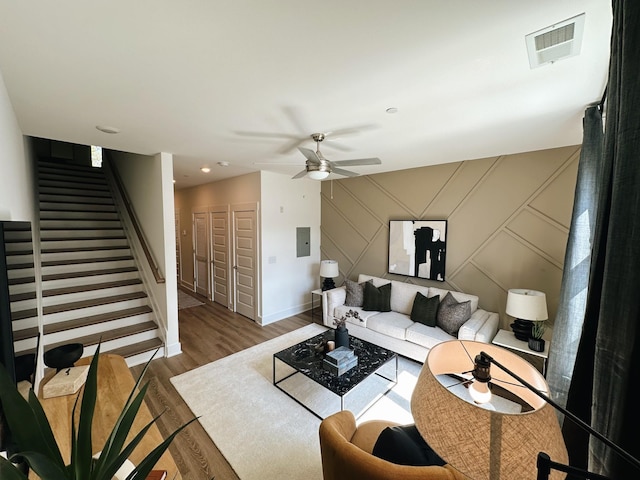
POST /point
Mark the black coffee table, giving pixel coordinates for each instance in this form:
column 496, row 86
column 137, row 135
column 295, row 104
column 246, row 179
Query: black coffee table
column 305, row 360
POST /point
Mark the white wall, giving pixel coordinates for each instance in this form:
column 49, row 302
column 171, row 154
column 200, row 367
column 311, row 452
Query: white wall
column 149, row 185
column 16, row 178
column 287, row 280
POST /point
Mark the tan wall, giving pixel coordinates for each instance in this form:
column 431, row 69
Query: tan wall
column 508, row 222
column 242, row 189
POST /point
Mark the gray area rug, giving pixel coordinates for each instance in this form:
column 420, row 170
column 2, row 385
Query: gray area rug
column 262, row 432
column 187, row 301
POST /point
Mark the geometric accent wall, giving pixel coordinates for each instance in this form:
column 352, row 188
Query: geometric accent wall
column 508, row 222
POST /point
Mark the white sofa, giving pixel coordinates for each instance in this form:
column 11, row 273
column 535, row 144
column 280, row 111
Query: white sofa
column 395, row 330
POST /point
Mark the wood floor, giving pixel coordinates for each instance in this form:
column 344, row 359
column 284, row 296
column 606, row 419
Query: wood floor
column 207, row 333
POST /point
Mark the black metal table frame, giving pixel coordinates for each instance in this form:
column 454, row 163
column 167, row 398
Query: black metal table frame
column 342, row 397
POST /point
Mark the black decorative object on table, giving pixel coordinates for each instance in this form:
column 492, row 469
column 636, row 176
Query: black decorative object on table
column 64, row 356
column 342, row 337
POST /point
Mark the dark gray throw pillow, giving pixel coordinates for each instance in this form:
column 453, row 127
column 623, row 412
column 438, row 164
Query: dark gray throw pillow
column 452, row 314
column 377, row 299
column 403, row 445
column 355, row 293
column 425, row 309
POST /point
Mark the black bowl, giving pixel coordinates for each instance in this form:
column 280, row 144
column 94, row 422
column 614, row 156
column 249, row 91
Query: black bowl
column 63, row 356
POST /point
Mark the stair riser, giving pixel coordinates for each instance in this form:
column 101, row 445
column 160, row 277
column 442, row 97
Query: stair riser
column 70, row 178
column 49, row 215
column 23, row 346
column 76, row 207
column 67, row 256
column 97, row 328
column 70, row 187
column 143, row 358
column 76, row 192
column 25, row 246
column 24, row 324
column 21, row 273
column 85, row 312
column 19, row 259
column 59, row 198
column 103, row 292
column 54, row 229
column 89, row 266
column 18, row 236
column 69, row 173
column 22, row 288
column 113, row 242
column 121, row 342
column 23, row 305
column 73, row 282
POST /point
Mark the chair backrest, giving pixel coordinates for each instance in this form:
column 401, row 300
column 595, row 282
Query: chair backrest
column 342, row 460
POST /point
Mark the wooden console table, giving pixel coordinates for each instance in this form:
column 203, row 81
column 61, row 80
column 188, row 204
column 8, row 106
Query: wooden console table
column 115, row 383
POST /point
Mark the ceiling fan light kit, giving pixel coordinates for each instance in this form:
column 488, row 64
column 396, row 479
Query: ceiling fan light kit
column 319, row 168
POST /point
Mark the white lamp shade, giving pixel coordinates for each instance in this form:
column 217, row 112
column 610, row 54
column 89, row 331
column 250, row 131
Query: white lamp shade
column 527, row 304
column 329, row 269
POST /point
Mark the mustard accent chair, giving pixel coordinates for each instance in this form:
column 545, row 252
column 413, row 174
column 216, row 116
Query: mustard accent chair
column 346, row 453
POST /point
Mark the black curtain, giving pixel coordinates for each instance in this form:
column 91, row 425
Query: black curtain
column 608, row 356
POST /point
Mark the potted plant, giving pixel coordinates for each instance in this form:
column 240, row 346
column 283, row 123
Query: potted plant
column 341, row 333
column 35, row 443
column 536, row 342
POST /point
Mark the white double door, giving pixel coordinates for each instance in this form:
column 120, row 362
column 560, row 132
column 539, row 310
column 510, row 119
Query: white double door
column 225, row 257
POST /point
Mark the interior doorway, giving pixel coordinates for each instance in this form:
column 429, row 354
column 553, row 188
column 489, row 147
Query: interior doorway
column 220, row 252
column 200, row 254
column 245, row 260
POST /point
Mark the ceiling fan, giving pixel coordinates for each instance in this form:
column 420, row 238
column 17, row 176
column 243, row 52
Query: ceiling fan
column 319, row 168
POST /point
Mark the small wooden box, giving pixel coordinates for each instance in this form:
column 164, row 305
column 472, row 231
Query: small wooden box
column 66, row 382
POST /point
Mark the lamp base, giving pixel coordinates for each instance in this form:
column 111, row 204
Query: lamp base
column 522, row 329
column 328, row 284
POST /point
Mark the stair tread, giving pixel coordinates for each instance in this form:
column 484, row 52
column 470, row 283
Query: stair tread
column 69, row 239
column 95, row 319
column 22, row 314
column 92, row 302
column 76, row 261
column 138, row 348
column 21, row 280
column 19, row 297
column 19, row 266
column 25, row 334
column 114, row 334
column 90, row 287
column 88, row 273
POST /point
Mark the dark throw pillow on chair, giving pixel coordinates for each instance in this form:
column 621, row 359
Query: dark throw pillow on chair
column 377, row 299
column 403, row 445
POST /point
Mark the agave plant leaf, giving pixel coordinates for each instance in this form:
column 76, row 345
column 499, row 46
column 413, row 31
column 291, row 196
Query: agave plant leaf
column 8, row 471
column 113, row 455
column 28, row 423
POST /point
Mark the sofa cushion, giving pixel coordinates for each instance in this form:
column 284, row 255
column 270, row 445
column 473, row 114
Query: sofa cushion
column 355, row 293
column 392, row 324
column 459, row 296
column 452, row 314
column 427, row 337
column 403, row 294
column 425, row 309
column 377, row 298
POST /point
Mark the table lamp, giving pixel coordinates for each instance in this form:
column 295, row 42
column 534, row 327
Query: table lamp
column 329, row 271
column 527, row 306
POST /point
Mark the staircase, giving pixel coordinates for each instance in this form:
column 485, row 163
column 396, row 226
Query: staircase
column 91, row 288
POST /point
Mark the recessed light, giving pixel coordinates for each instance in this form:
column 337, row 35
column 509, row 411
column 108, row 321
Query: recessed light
column 223, row 164
column 391, row 110
column 205, row 169
column 108, row 129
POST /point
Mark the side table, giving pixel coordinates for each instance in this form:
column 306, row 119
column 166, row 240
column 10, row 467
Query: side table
column 506, row 339
column 318, row 292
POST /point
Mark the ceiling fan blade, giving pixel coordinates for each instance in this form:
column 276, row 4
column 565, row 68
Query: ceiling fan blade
column 310, row 155
column 300, row 174
column 266, row 134
column 340, row 132
column 345, row 173
column 358, row 161
column 298, row 164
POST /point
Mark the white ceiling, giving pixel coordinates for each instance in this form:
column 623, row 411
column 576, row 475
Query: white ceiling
column 236, row 80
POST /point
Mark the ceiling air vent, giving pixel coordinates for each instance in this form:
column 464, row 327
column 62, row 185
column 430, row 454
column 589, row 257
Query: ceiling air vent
column 558, row 41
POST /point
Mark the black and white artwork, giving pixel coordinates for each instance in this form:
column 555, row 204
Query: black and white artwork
column 417, row 248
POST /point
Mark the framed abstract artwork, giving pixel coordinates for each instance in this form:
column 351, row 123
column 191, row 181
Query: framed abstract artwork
column 417, row 248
